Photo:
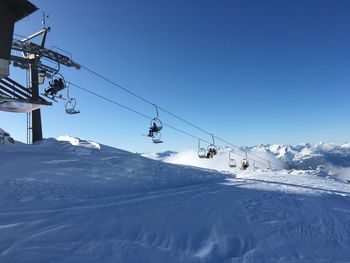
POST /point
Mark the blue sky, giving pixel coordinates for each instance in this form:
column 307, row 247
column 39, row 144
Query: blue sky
column 249, row 71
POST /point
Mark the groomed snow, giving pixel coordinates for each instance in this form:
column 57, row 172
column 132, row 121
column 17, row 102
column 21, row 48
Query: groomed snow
column 72, row 200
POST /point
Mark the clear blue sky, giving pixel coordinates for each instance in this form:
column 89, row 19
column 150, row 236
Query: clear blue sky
column 249, row 71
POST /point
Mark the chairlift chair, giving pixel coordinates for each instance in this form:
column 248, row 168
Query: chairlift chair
column 157, row 137
column 232, row 162
column 56, row 84
column 245, row 164
column 212, row 148
column 156, row 126
column 156, row 123
column 70, row 106
column 202, row 152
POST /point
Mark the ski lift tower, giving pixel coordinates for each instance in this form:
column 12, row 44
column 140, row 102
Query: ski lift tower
column 13, row 96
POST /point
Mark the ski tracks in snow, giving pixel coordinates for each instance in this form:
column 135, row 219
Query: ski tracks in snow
column 245, row 219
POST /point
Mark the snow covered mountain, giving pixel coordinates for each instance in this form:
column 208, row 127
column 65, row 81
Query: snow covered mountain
column 327, row 158
column 73, row 200
column 307, row 156
column 301, row 156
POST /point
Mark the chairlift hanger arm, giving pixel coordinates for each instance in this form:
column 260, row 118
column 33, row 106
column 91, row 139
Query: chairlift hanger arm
column 229, row 155
column 156, row 111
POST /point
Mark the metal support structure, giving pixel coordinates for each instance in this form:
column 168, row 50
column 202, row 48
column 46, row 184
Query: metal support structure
column 37, row 133
column 31, row 61
column 13, row 96
column 29, row 128
column 29, row 114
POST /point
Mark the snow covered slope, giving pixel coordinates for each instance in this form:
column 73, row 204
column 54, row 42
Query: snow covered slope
column 72, row 200
column 159, row 156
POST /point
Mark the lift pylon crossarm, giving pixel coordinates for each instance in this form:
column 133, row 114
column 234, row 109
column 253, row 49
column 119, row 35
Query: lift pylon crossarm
column 24, row 63
column 32, row 48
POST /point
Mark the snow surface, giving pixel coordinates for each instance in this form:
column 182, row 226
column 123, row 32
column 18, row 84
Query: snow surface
column 73, row 200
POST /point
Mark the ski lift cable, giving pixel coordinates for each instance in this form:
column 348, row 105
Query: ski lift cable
column 172, row 114
column 19, row 35
column 157, row 107
column 220, row 139
column 145, row 116
column 252, row 154
column 143, row 99
column 109, row 100
column 132, row 110
column 211, row 134
column 117, row 85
